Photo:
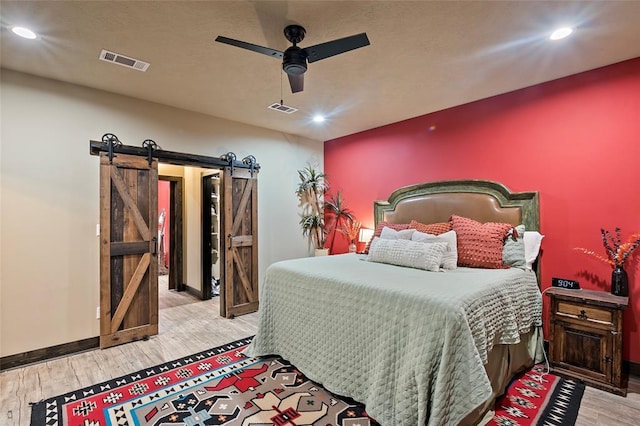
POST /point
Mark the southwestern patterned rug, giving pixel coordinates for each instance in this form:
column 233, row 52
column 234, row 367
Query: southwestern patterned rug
column 223, row 387
column 535, row 398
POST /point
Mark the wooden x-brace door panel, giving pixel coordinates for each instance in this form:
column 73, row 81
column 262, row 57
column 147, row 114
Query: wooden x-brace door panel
column 240, row 244
column 128, row 246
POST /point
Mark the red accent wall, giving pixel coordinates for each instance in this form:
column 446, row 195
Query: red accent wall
column 575, row 140
column 163, row 203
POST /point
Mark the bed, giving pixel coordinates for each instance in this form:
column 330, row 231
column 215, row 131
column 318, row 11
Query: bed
column 416, row 347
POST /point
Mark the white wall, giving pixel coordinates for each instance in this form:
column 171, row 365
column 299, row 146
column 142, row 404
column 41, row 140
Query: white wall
column 192, row 220
column 49, row 196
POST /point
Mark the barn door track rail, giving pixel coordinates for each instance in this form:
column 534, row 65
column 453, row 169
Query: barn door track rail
column 150, row 149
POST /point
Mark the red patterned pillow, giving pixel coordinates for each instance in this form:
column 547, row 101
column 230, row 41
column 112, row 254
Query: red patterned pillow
column 479, row 244
column 378, row 231
column 432, row 228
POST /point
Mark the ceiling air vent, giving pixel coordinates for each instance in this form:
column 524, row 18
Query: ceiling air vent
column 125, row 61
column 282, row 108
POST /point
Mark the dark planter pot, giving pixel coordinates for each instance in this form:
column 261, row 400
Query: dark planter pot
column 619, row 282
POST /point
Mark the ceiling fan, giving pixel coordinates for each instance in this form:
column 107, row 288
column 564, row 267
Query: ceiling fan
column 294, row 59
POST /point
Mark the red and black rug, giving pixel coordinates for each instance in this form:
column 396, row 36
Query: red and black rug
column 536, row 398
column 221, row 386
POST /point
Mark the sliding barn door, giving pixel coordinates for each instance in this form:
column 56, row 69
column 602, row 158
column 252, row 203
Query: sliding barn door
column 239, row 242
column 128, row 246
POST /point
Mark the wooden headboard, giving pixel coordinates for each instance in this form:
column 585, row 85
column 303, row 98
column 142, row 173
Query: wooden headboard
column 481, row 200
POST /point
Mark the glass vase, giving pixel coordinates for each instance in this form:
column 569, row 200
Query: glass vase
column 619, row 282
column 352, row 247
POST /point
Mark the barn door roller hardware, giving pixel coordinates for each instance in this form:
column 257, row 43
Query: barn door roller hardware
column 151, row 146
column 111, row 141
column 230, row 158
column 250, row 160
column 112, row 146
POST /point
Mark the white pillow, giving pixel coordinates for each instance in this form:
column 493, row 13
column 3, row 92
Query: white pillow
column 407, row 253
column 450, row 256
column 532, row 241
column 392, row 234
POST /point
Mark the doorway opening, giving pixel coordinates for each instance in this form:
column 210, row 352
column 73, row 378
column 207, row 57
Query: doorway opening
column 171, row 283
column 189, row 255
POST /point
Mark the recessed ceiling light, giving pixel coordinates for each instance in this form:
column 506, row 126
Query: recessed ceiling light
column 24, row 32
column 318, row 118
column 560, row 33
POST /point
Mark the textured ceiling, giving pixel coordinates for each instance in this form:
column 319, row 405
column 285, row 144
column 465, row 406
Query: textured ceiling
column 424, row 56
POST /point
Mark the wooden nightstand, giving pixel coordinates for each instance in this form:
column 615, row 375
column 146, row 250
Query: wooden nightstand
column 585, row 341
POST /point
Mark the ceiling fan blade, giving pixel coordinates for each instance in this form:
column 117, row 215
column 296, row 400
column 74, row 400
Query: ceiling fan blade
column 336, row 47
column 296, row 82
column 243, row 44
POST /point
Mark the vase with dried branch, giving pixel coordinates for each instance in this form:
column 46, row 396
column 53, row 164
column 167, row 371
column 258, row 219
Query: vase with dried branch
column 351, row 229
column 617, row 253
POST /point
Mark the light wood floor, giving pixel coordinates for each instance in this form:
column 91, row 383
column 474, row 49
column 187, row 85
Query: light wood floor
column 188, row 326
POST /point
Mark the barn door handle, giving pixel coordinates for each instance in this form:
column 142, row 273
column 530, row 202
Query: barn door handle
column 230, row 238
column 155, row 245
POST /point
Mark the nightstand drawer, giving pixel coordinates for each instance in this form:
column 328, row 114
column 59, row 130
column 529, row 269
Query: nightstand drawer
column 598, row 316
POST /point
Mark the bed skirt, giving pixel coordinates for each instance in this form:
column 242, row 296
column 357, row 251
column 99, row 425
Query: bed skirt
column 504, row 362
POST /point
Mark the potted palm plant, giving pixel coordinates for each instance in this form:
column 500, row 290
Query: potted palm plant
column 310, row 192
column 339, row 215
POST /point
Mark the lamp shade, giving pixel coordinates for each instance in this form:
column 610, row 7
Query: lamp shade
column 365, row 235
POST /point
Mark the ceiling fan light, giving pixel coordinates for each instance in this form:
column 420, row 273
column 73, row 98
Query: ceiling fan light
column 294, row 69
column 560, row 33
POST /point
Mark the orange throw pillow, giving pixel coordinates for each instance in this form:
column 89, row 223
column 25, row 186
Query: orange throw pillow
column 432, row 228
column 480, row 244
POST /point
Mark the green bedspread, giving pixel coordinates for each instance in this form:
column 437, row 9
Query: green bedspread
column 409, row 344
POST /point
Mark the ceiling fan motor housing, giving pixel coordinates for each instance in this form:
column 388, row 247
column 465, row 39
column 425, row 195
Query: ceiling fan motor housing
column 294, row 61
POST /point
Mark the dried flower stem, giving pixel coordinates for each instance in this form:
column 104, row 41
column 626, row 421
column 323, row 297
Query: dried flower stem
column 351, row 229
column 596, row 255
column 617, row 252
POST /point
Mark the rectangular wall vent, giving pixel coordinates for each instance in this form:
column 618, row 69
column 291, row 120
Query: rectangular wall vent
column 282, row 108
column 125, row 61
